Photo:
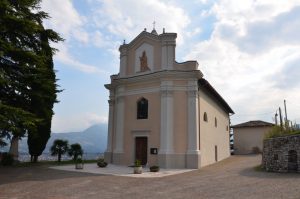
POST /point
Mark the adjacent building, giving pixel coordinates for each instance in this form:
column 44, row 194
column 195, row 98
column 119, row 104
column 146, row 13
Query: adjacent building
column 248, row 136
column 162, row 112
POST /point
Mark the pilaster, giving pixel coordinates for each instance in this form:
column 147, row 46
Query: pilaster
column 166, row 132
column 166, row 135
column 108, row 152
column 193, row 153
column 119, row 120
column 123, row 60
column 168, row 51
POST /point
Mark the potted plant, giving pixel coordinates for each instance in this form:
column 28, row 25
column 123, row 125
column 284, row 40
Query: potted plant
column 101, row 163
column 79, row 163
column 137, row 169
column 154, row 169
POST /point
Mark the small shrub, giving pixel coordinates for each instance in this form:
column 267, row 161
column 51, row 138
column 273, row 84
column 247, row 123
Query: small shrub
column 277, row 131
column 7, row 159
column 137, row 163
column 79, row 163
column 256, row 150
column 154, row 168
column 101, row 163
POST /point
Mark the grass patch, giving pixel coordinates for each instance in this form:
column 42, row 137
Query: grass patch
column 277, row 131
column 258, row 168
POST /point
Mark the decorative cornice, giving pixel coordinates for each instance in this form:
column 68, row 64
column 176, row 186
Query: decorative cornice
column 166, row 93
column 111, row 102
column 120, row 99
column 144, row 34
column 123, row 51
column 162, row 74
column 192, row 93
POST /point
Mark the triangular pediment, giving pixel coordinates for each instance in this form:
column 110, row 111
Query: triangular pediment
column 144, row 36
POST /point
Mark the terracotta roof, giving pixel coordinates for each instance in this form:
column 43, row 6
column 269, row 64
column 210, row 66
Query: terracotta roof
column 254, row 123
column 206, row 86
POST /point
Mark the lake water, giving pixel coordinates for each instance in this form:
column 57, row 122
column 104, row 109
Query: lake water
column 25, row 157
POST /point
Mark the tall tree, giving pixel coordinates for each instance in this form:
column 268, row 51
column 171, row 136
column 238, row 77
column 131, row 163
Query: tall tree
column 27, row 79
column 59, row 148
column 43, row 101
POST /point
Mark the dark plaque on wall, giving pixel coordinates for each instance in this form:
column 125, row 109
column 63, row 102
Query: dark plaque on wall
column 153, row 151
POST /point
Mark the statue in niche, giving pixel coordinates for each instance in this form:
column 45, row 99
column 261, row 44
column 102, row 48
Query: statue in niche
column 144, row 64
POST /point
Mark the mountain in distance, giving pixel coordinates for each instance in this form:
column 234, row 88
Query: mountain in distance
column 92, row 140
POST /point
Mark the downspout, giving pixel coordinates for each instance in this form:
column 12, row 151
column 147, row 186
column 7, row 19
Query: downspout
column 199, row 116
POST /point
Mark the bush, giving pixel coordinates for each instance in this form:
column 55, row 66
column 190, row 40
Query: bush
column 154, row 168
column 7, row 159
column 137, row 163
column 256, row 150
column 101, row 163
column 277, row 131
column 79, row 163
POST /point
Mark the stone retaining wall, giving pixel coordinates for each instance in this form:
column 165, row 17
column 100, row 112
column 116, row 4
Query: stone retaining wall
column 282, row 154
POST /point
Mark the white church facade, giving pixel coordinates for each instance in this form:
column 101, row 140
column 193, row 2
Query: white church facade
column 162, row 112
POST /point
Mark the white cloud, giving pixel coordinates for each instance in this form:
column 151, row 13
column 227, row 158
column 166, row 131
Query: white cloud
column 128, row 17
column 194, row 32
column 252, row 56
column 76, row 122
column 274, row 32
column 70, row 24
column 66, row 58
column 65, row 19
column 251, row 10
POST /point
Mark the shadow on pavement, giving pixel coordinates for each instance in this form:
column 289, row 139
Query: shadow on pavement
column 36, row 173
column 259, row 173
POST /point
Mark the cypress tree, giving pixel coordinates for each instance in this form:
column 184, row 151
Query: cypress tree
column 27, row 79
column 42, row 101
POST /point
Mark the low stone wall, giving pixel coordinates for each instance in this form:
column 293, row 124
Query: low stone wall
column 282, row 154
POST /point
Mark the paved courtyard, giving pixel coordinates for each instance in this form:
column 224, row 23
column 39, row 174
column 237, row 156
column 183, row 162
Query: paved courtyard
column 126, row 171
column 234, row 177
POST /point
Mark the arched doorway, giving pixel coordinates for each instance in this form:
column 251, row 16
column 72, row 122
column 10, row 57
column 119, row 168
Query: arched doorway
column 292, row 161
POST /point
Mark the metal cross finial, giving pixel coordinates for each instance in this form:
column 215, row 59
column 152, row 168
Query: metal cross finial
column 153, row 25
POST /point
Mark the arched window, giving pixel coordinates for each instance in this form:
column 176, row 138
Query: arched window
column 216, row 122
column 205, row 117
column 142, row 109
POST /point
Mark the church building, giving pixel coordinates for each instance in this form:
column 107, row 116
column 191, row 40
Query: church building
column 162, row 112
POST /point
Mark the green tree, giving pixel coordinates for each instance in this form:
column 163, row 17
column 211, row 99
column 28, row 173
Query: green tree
column 75, row 150
column 43, row 103
column 2, row 143
column 59, row 148
column 27, row 80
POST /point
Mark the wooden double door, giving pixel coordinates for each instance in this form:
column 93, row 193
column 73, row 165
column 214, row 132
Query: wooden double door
column 141, row 149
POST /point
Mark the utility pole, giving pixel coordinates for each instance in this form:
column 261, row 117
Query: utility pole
column 276, row 115
column 280, row 117
column 286, row 120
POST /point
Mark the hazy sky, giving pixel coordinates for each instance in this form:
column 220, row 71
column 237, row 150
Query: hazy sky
column 249, row 50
